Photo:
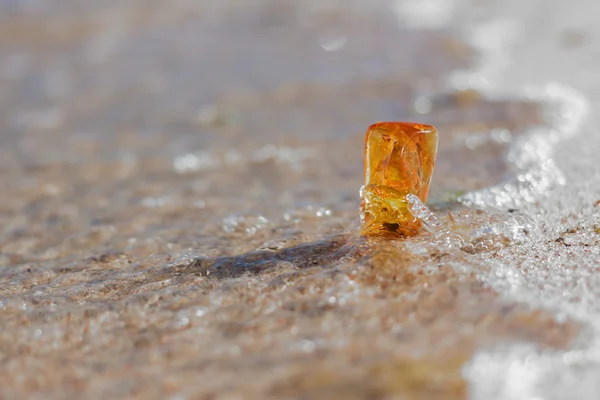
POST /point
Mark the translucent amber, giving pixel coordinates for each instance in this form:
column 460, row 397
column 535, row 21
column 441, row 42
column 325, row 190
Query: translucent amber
column 399, row 160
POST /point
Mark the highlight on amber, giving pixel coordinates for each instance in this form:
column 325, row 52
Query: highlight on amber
column 399, row 160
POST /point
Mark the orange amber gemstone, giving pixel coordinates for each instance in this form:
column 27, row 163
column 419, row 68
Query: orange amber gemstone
column 399, row 160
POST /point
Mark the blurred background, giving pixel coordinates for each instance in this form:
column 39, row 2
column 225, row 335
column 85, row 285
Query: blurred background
column 179, row 200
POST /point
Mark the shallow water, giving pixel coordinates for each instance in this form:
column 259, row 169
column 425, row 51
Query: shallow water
column 180, row 191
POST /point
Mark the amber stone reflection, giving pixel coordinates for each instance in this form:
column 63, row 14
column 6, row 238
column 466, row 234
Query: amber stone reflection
column 399, row 160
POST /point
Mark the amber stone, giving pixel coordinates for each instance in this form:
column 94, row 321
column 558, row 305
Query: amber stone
column 399, row 160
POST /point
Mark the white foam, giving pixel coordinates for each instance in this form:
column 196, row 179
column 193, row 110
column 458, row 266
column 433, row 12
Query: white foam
column 556, row 185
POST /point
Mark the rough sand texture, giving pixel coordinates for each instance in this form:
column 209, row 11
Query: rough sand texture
column 179, row 193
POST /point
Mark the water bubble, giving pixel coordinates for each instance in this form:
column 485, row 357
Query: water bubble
column 182, row 322
column 200, row 204
column 200, row 312
column 195, row 162
column 423, row 104
column 323, row 212
column 248, row 224
column 308, row 346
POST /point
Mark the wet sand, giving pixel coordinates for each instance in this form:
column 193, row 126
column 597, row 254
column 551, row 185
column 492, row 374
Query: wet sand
column 179, row 207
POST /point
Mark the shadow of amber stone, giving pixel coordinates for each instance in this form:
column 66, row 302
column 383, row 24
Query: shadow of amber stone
column 399, row 160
